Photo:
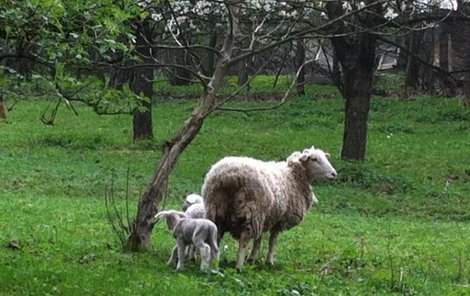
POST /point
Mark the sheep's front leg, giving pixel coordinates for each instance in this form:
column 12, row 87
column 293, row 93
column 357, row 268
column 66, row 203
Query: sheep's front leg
column 174, row 256
column 181, row 257
column 254, row 250
column 242, row 246
column 272, row 242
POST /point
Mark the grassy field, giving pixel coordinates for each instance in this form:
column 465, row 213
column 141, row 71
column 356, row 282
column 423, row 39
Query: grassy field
column 398, row 224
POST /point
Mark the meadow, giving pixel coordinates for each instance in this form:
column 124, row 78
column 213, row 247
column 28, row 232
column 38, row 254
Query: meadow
column 397, row 224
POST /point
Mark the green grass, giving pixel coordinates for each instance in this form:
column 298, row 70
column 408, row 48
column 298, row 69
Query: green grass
column 388, row 226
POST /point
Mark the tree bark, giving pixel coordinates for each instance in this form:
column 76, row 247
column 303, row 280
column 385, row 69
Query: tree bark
column 3, row 109
column 243, row 76
column 299, row 61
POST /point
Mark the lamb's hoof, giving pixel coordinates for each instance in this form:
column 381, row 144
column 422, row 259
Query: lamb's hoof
column 179, row 268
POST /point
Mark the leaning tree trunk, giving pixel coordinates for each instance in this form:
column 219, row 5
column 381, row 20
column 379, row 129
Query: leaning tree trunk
column 141, row 232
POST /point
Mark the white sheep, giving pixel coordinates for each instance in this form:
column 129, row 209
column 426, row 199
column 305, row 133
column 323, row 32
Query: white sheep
column 192, row 199
column 201, row 233
column 246, row 196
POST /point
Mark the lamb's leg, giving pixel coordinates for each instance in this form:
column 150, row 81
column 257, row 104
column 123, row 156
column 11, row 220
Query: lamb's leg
column 205, row 251
column 181, row 257
column 190, row 252
column 254, row 250
column 174, row 256
column 272, row 242
column 242, row 246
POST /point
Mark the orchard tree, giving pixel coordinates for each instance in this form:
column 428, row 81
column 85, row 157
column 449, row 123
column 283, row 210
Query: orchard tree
column 68, row 46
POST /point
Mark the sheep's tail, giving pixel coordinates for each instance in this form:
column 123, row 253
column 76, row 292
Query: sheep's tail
column 213, row 239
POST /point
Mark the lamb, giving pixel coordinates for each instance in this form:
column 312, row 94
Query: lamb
column 202, row 233
column 192, row 199
column 246, row 196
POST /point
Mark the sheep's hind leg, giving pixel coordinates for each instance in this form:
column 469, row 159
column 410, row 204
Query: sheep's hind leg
column 242, row 246
column 254, row 250
column 174, row 256
column 205, row 251
column 271, row 253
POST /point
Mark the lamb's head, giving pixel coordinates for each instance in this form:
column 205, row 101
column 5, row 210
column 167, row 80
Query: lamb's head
column 191, row 199
column 315, row 162
column 171, row 216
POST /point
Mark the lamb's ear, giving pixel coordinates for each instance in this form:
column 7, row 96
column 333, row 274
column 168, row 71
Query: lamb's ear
column 327, row 155
column 161, row 214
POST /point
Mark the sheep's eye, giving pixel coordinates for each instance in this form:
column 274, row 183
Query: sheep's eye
column 314, row 159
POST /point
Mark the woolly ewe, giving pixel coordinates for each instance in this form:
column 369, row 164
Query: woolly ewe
column 246, row 196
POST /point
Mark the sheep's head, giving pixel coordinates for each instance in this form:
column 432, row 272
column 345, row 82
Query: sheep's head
column 171, row 216
column 190, row 200
column 315, row 162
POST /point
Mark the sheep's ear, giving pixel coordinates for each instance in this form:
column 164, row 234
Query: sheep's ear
column 327, row 155
column 313, row 147
column 303, row 157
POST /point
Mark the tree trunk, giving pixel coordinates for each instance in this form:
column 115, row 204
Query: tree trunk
column 357, row 60
column 143, row 226
column 209, row 60
column 428, row 73
column 447, row 84
column 3, row 109
column 412, row 65
column 357, row 91
column 142, row 84
column 356, row 54
column 299, row 61
column 466, row 58
column 243, row 76
column 141, row 233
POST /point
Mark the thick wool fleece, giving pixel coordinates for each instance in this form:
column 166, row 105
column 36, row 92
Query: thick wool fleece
column 245, row 194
